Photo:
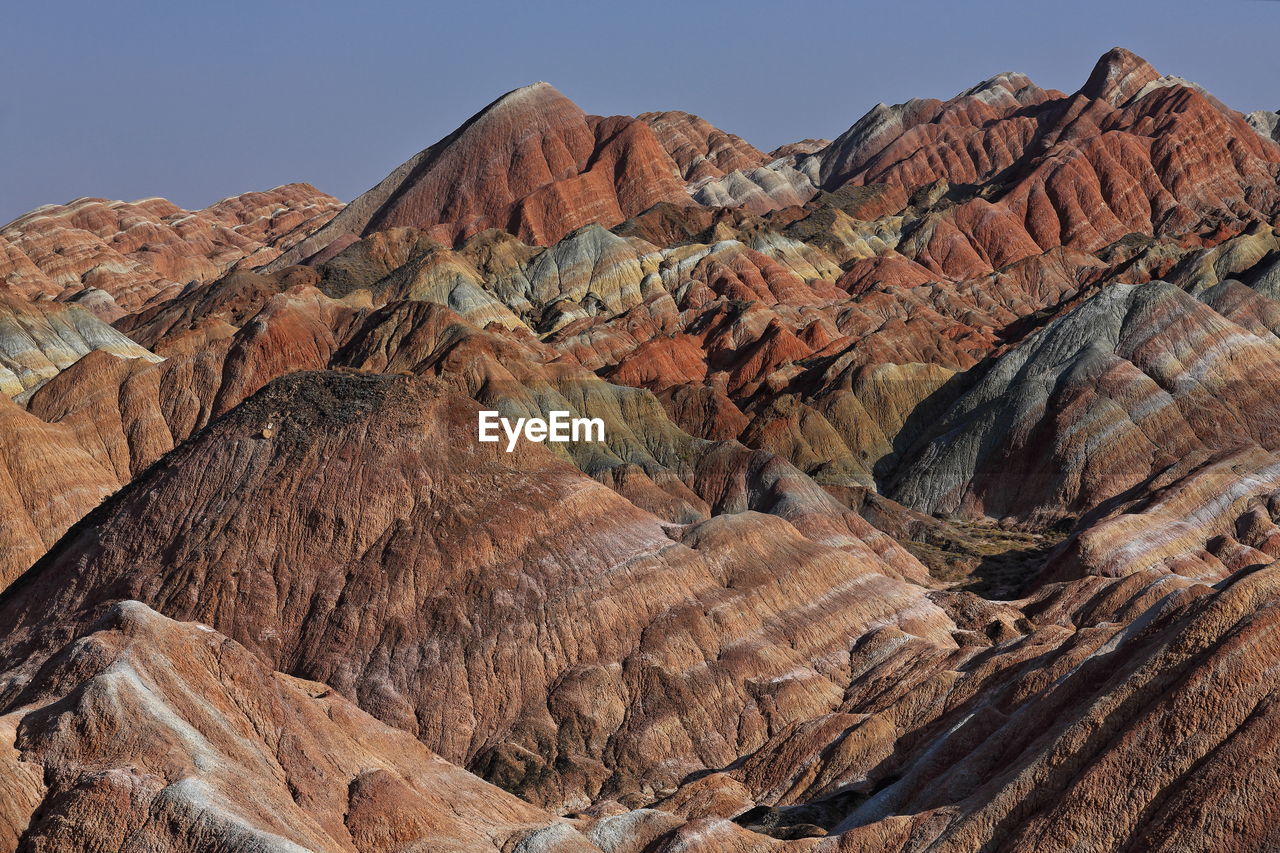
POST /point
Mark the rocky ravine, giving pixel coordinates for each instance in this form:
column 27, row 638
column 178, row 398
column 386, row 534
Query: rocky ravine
column 936, row 508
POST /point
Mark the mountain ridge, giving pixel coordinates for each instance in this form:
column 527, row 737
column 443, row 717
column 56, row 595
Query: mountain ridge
column 937, row 507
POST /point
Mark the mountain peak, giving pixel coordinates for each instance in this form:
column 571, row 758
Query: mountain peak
column 526, row 96
column 537, row 105
column 1119, row 76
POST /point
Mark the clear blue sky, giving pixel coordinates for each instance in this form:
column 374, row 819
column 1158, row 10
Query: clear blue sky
column 195, row 101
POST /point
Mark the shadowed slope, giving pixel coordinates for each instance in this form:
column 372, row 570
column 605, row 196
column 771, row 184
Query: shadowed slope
column 505, row 609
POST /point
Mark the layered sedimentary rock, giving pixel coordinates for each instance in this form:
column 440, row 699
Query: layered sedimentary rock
column 675, row 612
column 1130, row 152
column 721, row 170
column 115, row 256
column 48, row 480
column 701, row 150
column 936, row 509
column 997, row 773
column 1132, row 381
column 40, row 339
column 761, row 189
column 531, row 162
column 211, row 750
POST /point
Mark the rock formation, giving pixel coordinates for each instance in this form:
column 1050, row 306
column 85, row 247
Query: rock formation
column 38, row 340
column 115, row 256
column 531, row 162
column 211, row 750
column 936, row 505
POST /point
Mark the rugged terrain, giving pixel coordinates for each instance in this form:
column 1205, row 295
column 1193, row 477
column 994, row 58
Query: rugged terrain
column 936, row 508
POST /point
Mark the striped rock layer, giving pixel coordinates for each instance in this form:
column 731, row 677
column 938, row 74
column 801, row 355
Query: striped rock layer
column 936, row 506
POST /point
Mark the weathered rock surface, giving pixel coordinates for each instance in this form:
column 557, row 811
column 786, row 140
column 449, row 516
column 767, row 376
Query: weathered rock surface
column 1130, row 152
column 531, row 162
column 701, row 150
column 116, row 256
column 209, row 750
column 40, row 339
column 1134, row 380
column 938, row 506
column 685, row 613
column 48, row 481
column 1266, row 123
